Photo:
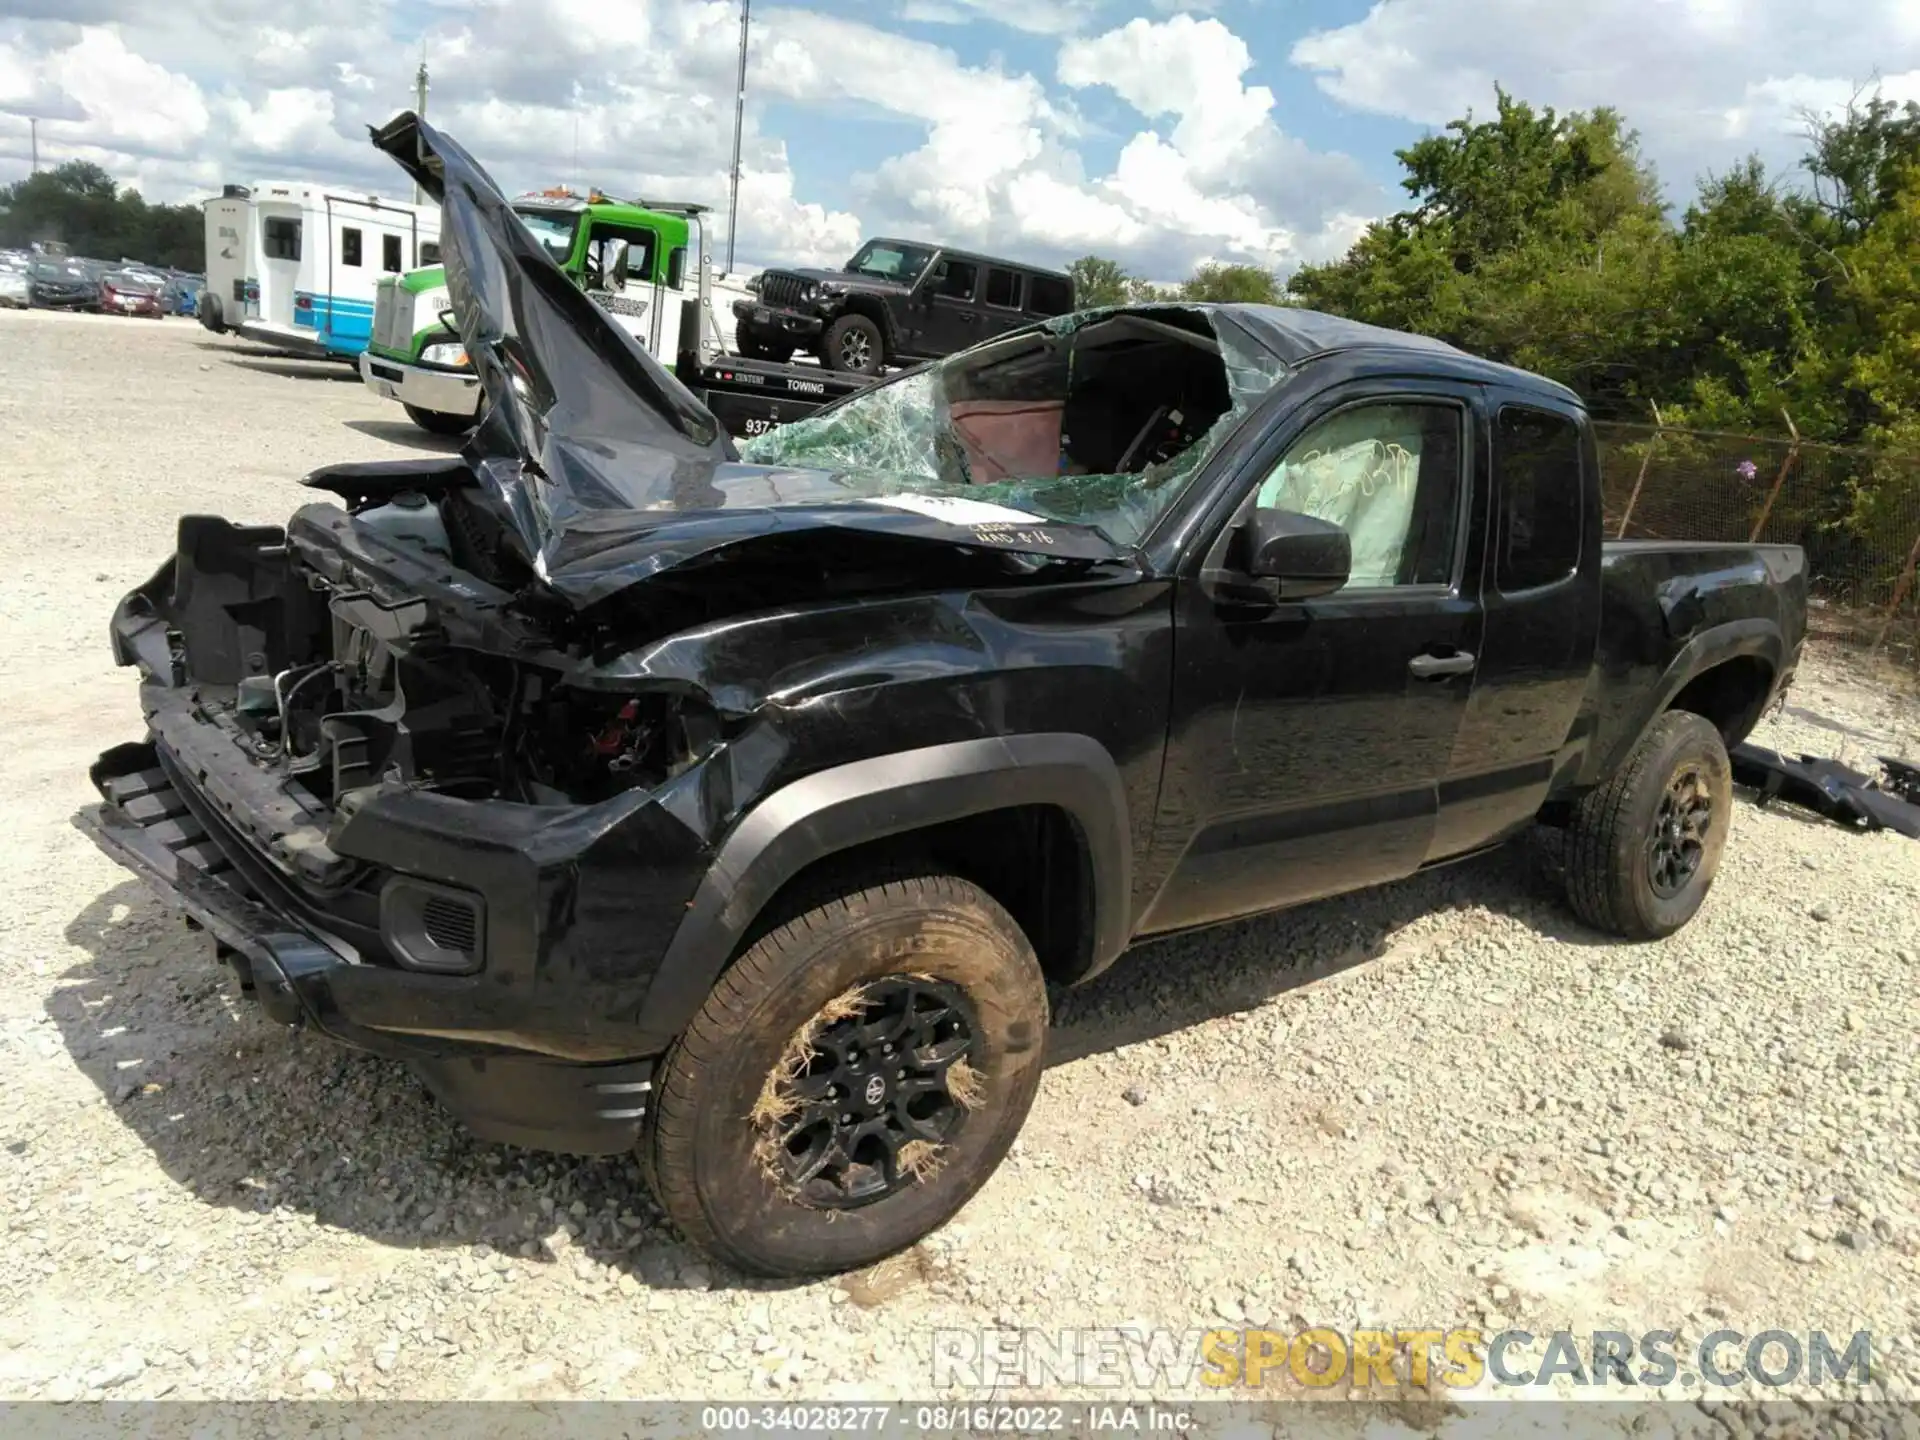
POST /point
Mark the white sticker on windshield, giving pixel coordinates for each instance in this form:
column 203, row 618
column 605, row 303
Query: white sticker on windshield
column 958, row 511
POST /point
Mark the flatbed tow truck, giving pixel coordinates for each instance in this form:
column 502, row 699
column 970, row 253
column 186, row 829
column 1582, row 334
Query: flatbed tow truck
column 636, row 259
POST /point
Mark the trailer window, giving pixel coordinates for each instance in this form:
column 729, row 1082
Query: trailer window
column 1537, row 469
column 280, row 238
column 390, row 259
column 429, row 252
column 349, row 246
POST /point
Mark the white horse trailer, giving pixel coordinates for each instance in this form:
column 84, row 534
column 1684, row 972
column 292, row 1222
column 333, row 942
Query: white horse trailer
column 309, row 257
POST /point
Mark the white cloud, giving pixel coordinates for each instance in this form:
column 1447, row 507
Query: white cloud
column 106, row 95
column 637, row 97
column 1703, row 81
column 1224, row 175
column 1036, row 17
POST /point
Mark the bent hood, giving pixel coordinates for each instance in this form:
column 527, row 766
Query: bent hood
column 603, row 464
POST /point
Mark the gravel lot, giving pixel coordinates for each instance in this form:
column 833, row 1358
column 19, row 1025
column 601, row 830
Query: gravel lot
column 1439, row 1103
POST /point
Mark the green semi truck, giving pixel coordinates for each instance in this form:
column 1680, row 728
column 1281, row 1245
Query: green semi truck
column 645, row 263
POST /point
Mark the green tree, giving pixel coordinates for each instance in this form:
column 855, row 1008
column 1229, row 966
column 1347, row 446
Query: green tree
column 80, row 203
column 1232, row 284
column 1098, row 281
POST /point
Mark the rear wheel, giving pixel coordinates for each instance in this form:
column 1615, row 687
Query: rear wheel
column 853, row 346
column 439, row 422
column 852, row 1080
column 1641, row 851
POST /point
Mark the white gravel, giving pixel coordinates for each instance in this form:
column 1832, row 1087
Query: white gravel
column 1440, row 1103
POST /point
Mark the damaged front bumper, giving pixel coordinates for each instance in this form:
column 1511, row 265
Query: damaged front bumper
column 775, row 322
column 504, row 950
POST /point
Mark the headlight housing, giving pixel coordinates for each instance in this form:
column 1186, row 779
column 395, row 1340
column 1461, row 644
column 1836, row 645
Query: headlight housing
column 449, row 352
column 808, row 293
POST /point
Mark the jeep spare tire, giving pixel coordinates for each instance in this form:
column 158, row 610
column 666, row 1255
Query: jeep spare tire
column 853, row 346
column 853, row 1078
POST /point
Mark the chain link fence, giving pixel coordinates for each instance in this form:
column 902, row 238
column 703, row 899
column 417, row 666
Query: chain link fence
column 1855, row 512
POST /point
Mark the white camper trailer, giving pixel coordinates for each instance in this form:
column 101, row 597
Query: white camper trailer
column 309, row 257
column 222, row 304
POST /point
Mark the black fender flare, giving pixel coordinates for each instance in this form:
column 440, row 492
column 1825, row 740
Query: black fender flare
column 838, row 808
column 1758, row 637
column 869, row 307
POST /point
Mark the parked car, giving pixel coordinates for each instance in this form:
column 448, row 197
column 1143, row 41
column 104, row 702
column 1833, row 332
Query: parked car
column 742, row 806
column 133, row 292
column 15, row 290
column 893, row 303
column 183, row 291
column 62, row 284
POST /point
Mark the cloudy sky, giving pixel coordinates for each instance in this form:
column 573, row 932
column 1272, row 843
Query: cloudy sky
column 1156, row 131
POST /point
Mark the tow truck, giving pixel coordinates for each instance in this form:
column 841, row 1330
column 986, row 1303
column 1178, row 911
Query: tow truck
column 633, row 257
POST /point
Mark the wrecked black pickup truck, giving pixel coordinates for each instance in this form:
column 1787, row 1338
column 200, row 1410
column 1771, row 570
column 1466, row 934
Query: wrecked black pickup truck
column 742, row 806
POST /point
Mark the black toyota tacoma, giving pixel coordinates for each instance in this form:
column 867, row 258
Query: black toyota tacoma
column 743, row 806
column 893, row 303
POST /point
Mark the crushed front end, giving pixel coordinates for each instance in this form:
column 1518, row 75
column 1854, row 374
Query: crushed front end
column 365, row 775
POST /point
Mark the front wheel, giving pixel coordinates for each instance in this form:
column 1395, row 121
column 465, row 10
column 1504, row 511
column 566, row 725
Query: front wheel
column 852, row 1079
column 1642, row 849
column 438, row 422
column 853, row 346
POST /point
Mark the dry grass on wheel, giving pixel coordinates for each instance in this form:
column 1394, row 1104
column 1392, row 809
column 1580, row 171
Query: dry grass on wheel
column 777, row 1103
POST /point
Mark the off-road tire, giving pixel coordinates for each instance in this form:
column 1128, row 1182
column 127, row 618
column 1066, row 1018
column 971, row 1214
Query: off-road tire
column 754, row 348
column 1607, row 857
column 703, row 1152
column 839, row 341
column 438, row 422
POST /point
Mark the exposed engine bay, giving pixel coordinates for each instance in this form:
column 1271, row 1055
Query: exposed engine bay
column 333, row 685
column 411, row 639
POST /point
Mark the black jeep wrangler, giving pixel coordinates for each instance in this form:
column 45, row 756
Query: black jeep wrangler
column 894, row 301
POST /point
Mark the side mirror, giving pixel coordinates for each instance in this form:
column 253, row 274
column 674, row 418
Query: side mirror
column 1305, row 557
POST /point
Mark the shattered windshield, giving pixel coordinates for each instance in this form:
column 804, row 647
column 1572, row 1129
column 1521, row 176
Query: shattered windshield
column 1098, row 419
column 890, row 261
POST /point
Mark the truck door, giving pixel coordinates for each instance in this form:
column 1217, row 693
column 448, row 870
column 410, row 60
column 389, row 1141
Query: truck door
column 1004, row 302
column 1541, row 593
column 1309, row 737
column 950, row 319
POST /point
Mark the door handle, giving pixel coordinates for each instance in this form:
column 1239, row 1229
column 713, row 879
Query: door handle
column 1434, row 667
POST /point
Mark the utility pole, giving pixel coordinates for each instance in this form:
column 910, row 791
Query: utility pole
column 34, row 123
column 739, row 119
column 420, row 106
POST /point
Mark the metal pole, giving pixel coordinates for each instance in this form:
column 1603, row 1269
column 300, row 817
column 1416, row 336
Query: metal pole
column 35, row 124
column 1659, row 428
column 1900, row 589
column 420, row 109
column 1793, row 453
column 739, row 119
